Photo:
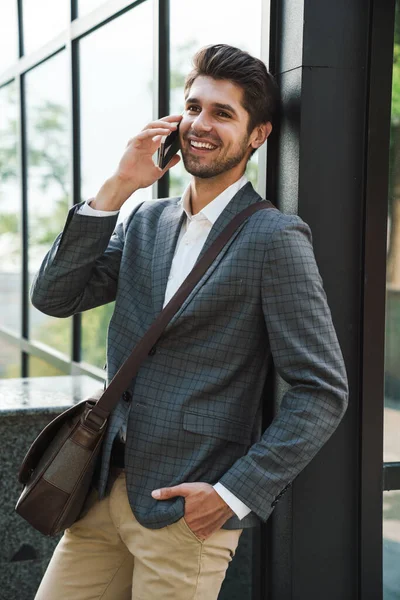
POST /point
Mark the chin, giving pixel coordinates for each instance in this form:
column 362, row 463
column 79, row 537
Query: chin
column 201, row 171
column 207, row 171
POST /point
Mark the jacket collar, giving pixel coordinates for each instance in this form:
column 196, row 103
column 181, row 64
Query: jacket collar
column 168, row 228
column 243, row 198
column 213, row 210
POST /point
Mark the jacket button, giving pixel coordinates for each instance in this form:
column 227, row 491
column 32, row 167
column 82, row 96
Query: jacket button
column 126, row 396
column 152, row 351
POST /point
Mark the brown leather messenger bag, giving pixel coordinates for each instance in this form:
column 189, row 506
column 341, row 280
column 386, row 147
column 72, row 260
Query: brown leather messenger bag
column 58, row 468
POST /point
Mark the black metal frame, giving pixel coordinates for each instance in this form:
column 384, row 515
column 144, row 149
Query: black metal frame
column 391, row 476
column 24, row 226
column 377, row 127
column 78, row 29
column 76, row 177
column 162, row 55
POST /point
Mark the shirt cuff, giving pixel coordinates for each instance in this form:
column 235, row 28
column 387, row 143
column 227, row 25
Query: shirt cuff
column 88, row 211
column 239, row 508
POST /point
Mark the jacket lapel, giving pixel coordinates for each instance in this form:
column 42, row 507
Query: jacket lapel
column 168, row 228
column 244, row 197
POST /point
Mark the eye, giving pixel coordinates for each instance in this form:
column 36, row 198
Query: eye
column 192, row 108
column 224, row 114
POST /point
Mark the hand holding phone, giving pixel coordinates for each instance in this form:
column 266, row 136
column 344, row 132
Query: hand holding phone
column 136, row 169
column 169, row 147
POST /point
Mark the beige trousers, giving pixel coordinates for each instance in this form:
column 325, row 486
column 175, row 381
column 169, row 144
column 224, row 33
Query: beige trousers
column 107, row 554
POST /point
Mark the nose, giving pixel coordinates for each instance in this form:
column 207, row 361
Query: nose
column 201, row 123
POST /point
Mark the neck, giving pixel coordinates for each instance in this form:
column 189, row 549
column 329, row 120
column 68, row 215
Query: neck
column 203, row 191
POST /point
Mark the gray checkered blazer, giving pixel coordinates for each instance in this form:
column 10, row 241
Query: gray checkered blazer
column 193, row 409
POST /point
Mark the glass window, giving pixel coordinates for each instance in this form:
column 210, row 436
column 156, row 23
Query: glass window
column 48, row 180
column 10, row 360
column 10, row 212
column 41, row 368
column 392, row 350
column 189, row 34
column 116, row 65
column 9, row 34
column 391, row 500
column 43, row 20
column 94, row 334
column 391, row 545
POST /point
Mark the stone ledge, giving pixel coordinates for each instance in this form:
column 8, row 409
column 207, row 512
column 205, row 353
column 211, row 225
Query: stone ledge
column 26, row 406
column 44, row 395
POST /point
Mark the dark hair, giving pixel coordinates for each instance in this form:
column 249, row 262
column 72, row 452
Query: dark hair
column 260, row 91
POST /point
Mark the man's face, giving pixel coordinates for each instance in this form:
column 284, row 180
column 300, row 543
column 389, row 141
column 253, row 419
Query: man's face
column 213, row 130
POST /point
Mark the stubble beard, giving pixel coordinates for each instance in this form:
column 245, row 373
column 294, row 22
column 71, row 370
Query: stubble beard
column 194, row 166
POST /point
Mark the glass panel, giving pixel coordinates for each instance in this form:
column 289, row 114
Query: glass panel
column 9, row 34
column 391, row 545
column 94, row 334
column 40, row 368
column 43, row 20
column 48, row 180
column 86, row 6
column 116, row 102
column 391, row 500
column 392, row 350
column 10, row 213
column 188, row 35
column 10, row 360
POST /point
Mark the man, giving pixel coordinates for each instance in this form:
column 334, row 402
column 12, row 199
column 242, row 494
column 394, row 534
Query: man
column 169, row 511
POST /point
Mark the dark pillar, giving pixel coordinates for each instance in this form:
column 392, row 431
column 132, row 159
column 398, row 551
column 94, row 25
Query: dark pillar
column 329, row 164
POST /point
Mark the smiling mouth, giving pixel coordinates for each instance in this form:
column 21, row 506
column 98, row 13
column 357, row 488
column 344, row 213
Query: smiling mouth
column 201, row 146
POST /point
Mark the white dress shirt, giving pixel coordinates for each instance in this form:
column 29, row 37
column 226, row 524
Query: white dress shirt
column 192, row 237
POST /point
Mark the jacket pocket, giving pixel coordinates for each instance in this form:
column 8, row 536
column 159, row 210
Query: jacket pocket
column 225, row 429
column 219, row 289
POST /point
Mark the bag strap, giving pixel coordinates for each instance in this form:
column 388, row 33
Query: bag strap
column 97, row 417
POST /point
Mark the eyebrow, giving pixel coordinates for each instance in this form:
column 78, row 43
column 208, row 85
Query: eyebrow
column 215, row 104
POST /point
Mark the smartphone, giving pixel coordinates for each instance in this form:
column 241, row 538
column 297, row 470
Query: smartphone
column 169, row 146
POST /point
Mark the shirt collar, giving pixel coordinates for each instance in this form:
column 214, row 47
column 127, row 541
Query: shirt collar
column 213, row 210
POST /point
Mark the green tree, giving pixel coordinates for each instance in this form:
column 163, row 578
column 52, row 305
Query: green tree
column 48, row 159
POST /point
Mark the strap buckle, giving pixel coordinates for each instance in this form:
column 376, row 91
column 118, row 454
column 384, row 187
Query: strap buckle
column 94, row 421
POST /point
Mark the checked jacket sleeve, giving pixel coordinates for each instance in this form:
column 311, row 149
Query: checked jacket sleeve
column 307, row 356
column 81, row 269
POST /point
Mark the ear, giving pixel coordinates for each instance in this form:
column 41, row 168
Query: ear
column 260, row 134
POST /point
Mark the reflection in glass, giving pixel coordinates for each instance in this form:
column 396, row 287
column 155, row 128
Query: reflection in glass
column 116, row 103
column 391, row 499
column 189, row 34
column 392, row 350
column 40, row 368
column 10, row 213
column 43, row 20
column 9, row 34
column 391, row 545
column 94, row 334
column 48, row 180
column 10, row 360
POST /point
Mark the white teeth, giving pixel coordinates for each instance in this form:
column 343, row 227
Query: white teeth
column 202, row 145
